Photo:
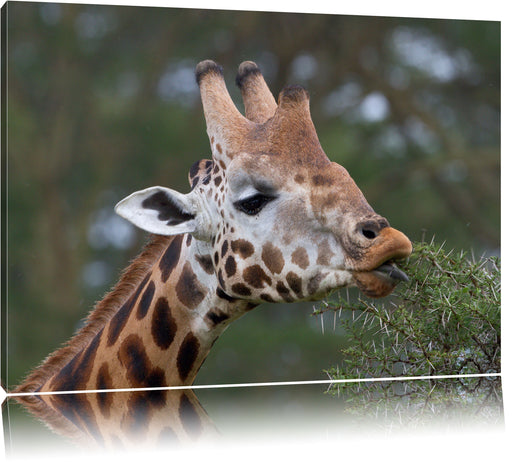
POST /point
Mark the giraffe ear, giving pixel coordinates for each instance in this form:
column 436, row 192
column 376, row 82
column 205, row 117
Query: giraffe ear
column 159, row 210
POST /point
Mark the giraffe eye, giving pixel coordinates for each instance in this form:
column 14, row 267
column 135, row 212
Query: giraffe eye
column 253, row 205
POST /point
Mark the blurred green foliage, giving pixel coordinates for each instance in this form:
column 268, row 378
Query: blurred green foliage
column 102, row 102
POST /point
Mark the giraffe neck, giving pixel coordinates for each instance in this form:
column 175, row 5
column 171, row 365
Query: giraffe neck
column 158, row 336
column 162, row 333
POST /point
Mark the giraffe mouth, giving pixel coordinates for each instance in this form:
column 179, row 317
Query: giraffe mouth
column 380, row 281
column 391, row 271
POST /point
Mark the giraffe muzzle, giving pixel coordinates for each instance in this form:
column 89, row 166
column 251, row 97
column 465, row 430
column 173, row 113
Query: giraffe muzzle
column 377, row 274
column 380, row 281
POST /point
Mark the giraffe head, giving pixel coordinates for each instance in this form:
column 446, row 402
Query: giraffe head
column 280, row 221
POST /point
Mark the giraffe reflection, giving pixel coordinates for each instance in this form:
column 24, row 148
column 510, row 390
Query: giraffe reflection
column 125, row 419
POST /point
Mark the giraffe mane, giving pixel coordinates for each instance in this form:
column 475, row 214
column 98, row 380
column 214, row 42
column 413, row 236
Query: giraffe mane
column 100, row 315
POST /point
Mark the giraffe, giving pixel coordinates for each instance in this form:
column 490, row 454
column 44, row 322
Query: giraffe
column 269, row 218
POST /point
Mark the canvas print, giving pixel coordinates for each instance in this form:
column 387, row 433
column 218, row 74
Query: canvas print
column 326, row 186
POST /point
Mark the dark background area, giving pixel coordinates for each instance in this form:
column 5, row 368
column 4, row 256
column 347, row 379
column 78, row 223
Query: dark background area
column 102, row 101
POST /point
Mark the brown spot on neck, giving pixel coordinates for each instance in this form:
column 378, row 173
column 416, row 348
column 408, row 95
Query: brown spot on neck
column 189, row 290
column 163, row 325
column 145, row 300
column 206, row 263
column 171, row 257
column 132, row 355
column 224, row 296
column 140, row 372
column 216, row 316
column 187, row 355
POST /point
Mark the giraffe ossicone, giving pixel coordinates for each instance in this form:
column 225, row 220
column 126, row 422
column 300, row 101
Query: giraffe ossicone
column 269, row 218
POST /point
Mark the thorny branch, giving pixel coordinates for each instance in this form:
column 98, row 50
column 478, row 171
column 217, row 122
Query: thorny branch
column 447, row 319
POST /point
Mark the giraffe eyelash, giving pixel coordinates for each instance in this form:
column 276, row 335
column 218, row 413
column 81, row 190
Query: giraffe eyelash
column 252, row 205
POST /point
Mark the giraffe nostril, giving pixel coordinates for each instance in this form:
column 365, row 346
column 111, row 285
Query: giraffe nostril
column 369, row 233
column 370, row 229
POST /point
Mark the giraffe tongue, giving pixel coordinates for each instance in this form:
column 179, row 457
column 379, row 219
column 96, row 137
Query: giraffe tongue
column 391, row 271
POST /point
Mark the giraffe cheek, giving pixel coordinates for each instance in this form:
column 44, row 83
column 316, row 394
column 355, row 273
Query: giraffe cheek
column 272, row 258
